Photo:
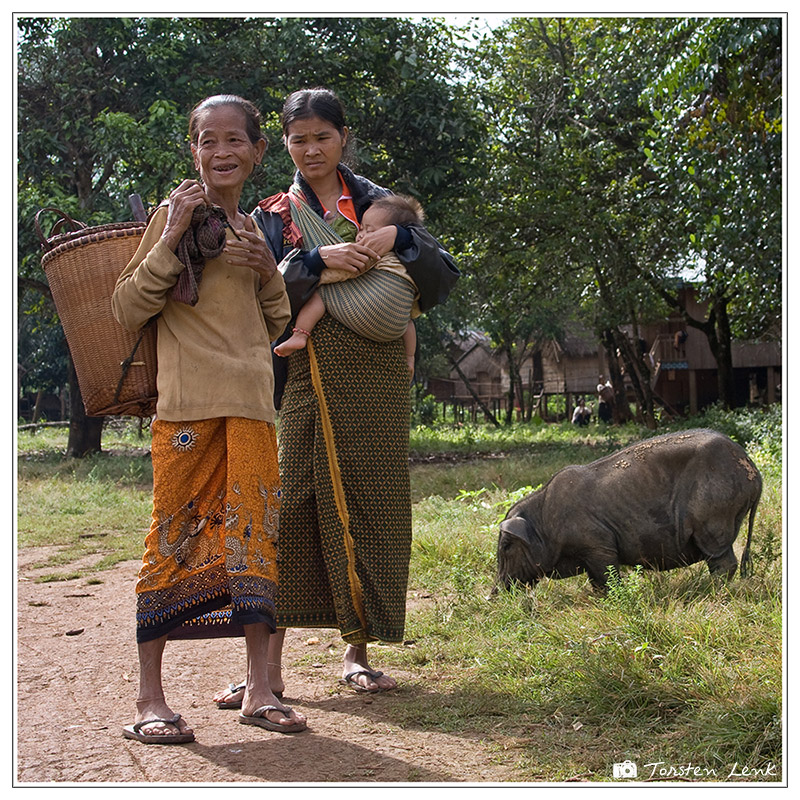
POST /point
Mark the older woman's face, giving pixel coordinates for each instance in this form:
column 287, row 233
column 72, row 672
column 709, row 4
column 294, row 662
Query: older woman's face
column 223, row 153
column 315, row 146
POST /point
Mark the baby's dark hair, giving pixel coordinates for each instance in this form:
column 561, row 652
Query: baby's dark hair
column 403, row 209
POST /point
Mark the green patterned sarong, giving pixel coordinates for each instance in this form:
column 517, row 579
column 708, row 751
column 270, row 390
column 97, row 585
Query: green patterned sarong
column 345, row 533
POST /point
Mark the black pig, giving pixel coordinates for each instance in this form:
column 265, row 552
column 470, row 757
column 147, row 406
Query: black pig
column 662, row 503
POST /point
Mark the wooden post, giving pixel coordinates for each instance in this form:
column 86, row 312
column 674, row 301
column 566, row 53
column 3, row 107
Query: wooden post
column 692, row 391
column 137, row 207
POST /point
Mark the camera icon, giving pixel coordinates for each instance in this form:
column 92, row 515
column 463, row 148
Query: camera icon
column 625, row 769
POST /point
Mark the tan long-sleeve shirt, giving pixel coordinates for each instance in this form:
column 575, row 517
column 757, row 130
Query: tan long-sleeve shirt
column 214, row 358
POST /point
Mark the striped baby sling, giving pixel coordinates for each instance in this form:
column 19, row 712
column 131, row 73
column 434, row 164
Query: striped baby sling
column 375, row 304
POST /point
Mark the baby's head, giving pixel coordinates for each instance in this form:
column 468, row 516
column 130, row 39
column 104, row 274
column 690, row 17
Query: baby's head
column 394, row 209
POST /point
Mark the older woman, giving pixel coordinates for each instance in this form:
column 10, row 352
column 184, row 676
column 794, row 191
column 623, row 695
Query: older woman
column 209, row 564
column 345, row 536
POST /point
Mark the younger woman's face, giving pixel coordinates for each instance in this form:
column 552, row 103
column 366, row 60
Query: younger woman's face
column 223, row 152
column 316, row 147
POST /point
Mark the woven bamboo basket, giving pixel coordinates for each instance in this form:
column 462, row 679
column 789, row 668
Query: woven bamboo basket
column 116, row 369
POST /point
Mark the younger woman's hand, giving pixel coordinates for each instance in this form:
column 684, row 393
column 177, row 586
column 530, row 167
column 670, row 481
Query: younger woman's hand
column 349, row 256
column 250, row 250
column 183, row 200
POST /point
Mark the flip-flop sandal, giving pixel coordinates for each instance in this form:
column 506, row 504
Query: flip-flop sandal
column 238, row 687
column 349, row 680
column 134, row 732
column 268, row 724
column 232, row 688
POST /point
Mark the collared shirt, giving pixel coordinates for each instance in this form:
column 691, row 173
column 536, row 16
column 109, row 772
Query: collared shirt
column 344, row 205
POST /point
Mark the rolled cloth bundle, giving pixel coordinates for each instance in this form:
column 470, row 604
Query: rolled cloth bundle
column 203, row 239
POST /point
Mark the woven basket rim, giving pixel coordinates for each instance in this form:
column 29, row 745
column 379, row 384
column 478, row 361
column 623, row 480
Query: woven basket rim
column 86, row 236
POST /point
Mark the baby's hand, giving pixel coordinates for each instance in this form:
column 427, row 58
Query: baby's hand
column 381, row 240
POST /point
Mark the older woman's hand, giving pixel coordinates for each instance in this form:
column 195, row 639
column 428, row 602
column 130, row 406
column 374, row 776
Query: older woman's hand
column 183, row 200
column 349, row 256
column 250, row 250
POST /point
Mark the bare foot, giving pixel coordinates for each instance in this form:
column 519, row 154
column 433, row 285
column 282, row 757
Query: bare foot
column 276, row 679
column 357, row 672
column 232, row 696
column 297, row 341
column 281, row 715
column 157, row 709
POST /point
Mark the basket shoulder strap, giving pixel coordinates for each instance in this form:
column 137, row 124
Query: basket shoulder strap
column 63, row 219
column 126, row 364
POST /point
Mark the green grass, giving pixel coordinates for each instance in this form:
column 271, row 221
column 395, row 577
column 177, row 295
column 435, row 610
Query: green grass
column 97, row 507
column 672, row 669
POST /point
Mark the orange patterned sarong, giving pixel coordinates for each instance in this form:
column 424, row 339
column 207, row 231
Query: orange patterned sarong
column 209, row 563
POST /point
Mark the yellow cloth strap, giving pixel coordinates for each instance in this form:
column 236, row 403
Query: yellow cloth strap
column 338, row 488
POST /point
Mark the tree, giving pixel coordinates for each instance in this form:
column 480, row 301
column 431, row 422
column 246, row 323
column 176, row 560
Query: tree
column 717, row 141
column 571, row 179
column 624, row 164
column 129, row 84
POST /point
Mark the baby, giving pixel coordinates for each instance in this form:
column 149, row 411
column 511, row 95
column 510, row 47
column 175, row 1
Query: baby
column 378, row 304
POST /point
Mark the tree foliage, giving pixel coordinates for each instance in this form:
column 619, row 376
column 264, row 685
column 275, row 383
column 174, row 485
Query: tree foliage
column 718, row 125
column 574, row 165
column 717, row 142
column 571, row 195
column 622, row 153
column 103, row 106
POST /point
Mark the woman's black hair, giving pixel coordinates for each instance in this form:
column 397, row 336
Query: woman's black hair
column 317, row 102
column 251, row 114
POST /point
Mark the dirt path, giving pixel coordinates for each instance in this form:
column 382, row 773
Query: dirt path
column 77, row 678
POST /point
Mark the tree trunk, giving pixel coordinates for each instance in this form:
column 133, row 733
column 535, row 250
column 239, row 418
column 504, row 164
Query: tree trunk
column 621, row 411
column 483, row 407
column 486, row 411
column 84, row 432
column 718, row 332
column 719, row 340
column 37, row 406
column 513, row 382
column 520, row 395
column 529, row 403
column 638, row 374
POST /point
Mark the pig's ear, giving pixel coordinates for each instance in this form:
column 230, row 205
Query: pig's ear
column 517, row 526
